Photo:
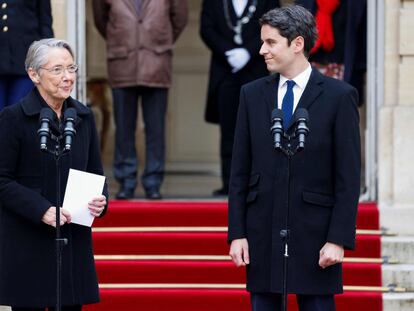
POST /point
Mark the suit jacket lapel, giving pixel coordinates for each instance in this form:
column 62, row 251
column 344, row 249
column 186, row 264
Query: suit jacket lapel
column 270, row 90
column 312, row 91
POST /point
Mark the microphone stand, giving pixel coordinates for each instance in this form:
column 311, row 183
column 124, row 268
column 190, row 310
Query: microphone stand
column 284, row 233
column 59, row 242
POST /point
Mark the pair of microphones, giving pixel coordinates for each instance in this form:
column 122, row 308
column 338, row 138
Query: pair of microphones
column 300, row 118
column 44, row 133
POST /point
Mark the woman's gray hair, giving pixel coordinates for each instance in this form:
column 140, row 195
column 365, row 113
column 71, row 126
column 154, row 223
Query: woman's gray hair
column 37, row 54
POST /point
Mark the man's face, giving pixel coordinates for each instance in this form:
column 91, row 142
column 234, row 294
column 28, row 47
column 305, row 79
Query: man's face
column 278, row 54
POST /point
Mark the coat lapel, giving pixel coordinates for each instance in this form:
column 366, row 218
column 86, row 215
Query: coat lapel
column 270, row 90
column 312, row 91
column 33, row 103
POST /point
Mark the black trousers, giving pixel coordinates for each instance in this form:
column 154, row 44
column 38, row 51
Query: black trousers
column 273, row 302
column 64, row 308
column 228, row 104
column 154, row 106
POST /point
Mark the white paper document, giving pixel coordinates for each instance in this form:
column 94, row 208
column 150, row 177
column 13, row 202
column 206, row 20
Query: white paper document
column 81, row 188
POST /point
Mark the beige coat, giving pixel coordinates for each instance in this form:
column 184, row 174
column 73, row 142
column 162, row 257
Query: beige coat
column 140, row 44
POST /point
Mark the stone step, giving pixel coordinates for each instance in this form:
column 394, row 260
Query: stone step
column 2, row 308
column 398, row 301
column 397, row 219
column 400, row 274
column 400, row 248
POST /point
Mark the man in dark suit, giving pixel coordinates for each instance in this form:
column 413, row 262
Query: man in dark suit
column 231, row 30
column 323, row 187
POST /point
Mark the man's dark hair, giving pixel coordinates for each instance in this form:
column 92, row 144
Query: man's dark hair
column 293, row 21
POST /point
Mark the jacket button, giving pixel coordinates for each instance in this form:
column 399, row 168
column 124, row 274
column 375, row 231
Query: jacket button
column 4, row 5
column 4, row 17
column 5, row 29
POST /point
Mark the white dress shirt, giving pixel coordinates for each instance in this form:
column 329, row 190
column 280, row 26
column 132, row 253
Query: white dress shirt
column 301, row 80
column 239, row 6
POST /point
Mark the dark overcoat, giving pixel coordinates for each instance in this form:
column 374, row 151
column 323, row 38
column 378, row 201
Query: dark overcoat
column 324, row 185
column 217, row 35
column 27, row 190
column 25, row 22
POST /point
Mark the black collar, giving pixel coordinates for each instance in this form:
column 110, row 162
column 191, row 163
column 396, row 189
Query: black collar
column 33, row 103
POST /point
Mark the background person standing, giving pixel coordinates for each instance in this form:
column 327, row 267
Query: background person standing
column 21, row 23
column 140, row 37
column 231, row 30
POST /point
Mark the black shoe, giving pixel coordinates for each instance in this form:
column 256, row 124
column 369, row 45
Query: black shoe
column 221, row 192
column 153, row 194
column 125, row 194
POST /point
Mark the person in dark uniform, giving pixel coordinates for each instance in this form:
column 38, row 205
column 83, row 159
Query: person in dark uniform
column 342, row 49
column 231, row 30
column 21, row 23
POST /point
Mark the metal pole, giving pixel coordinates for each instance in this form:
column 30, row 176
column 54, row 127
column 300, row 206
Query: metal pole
column 58, row 239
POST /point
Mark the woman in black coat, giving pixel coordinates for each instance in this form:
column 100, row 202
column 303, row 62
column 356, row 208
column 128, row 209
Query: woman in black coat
column 28, row 190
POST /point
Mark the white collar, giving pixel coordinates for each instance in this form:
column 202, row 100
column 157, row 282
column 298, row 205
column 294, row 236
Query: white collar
column 301, row 80
column 239, row 6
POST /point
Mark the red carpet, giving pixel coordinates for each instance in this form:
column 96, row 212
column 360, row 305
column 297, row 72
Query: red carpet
column 170, row 272
column 212, row 300
column 178, row 243
column 216, row 272
column 187, row 213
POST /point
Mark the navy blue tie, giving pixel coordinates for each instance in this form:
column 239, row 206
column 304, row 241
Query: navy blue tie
column 287, row 104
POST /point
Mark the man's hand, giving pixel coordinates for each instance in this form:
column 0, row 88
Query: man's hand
column 330, row 254
column 239, row 252
column 49, row 217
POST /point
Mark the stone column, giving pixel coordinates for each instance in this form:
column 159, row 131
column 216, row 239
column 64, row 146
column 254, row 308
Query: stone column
column 395, row 140
column 59, row 18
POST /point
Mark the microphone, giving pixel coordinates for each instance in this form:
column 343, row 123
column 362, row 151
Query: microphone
column 277, row 127
column 69, row 131
column 301, row 118
column 46, row 115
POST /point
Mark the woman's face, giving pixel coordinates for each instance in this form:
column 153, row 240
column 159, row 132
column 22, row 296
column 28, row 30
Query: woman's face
column 54, row 80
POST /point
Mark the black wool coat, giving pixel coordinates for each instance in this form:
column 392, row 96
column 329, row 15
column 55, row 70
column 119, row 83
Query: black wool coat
column 27, row 190
column 217, row 35
column 26, row 22
column 324, row 185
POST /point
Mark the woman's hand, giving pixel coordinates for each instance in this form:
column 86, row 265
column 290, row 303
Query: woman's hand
column 97, row 205
column 49, row 217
